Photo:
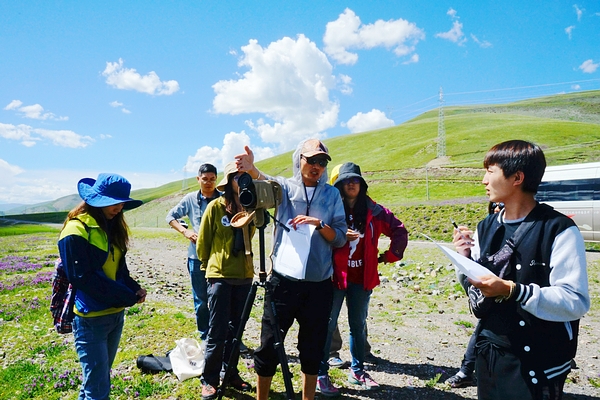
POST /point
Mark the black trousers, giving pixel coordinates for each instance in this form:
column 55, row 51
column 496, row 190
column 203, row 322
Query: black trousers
column 499, row 377
column 309, row 303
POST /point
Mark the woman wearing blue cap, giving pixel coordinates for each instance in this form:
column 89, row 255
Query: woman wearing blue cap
column 92, row 246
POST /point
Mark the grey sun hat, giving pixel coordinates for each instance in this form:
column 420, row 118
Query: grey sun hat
column 107, row 190
column 349, row 170
column 230, row 168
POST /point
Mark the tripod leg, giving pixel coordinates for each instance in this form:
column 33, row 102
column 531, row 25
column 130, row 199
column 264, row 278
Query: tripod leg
column 278, row 341
column 238, row 337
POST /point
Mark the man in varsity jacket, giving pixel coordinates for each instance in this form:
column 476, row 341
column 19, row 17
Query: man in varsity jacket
column 527, row 337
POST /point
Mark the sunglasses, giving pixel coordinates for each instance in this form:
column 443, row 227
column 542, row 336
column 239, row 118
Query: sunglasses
column 353, row 180
column 316, row 160
column 499, row 205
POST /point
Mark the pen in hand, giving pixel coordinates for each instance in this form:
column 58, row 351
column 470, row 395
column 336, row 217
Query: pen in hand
column 459, row 231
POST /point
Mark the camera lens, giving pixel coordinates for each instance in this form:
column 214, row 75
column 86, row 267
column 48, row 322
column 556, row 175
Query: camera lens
column 247, row 198
column 244, row 181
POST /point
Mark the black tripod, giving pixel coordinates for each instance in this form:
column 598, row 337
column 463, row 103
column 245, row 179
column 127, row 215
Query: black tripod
column 271, row 311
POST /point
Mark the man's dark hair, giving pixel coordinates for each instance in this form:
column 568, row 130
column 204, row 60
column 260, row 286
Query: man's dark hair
column 518, row 155
column 204, row 168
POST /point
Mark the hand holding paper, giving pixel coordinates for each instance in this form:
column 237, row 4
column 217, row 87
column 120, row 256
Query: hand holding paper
column 467, row 266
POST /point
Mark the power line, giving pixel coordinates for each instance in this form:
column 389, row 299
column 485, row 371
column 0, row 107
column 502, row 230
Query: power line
column 479, row 101
column 522, row 87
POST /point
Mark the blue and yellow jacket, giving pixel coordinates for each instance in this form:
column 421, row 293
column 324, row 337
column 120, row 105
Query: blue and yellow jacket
column 100, row 276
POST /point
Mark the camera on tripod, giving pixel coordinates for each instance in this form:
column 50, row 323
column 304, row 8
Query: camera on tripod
column 258, row 196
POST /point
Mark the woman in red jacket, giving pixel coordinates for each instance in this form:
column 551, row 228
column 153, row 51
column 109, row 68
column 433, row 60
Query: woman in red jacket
column 355, row 269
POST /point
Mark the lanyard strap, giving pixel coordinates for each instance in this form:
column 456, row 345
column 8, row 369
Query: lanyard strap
column 308, row 202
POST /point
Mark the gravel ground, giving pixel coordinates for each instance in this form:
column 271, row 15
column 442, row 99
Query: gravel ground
column 412, row 346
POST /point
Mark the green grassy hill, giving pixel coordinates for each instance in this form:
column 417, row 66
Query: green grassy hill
column 400, row 163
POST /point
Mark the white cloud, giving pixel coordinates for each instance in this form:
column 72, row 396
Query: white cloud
column 116, row 104
column 374, row 119
column 103, row 136
column 14, row 105
column 65, row 138
column 19, row 132
column 413, row 59
column 588, row 66
column 29, row 187
column 129, row 79
column 7, row 169
column 289, row 82
column 28, row 136
column 233, row 144
column 575, row 87
column 455, row 34
column 578, row 11
column 34, row 111
column 569, row 30
column 36, row 186
column 345, row 84
column 483, row 44
column 348, row 32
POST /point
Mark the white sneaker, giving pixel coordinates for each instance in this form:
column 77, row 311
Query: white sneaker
column 335, row 362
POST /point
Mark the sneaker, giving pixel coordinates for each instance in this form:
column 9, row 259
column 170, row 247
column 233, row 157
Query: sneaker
column 363, row 379
column 326, row 388
column 460, row 380
column 208, row 392
column 335, row 362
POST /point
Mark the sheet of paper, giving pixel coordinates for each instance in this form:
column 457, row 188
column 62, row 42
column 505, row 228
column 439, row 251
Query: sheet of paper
column 467, row 266
column 293, row 251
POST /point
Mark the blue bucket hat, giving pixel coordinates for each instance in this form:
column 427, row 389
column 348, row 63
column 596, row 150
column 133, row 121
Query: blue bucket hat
column 107, row 190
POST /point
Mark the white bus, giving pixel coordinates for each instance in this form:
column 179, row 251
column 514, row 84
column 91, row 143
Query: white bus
column 574, row 190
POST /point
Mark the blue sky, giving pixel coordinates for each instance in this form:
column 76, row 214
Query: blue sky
column 151, row 89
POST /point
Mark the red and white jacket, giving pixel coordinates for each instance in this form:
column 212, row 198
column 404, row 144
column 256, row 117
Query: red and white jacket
column 380, row 221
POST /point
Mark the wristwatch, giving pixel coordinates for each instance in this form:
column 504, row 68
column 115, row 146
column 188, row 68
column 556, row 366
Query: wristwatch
column 321, row 226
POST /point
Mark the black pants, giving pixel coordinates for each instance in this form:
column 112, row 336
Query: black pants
column 225, row 304
column 309, row 303
column 499, row 377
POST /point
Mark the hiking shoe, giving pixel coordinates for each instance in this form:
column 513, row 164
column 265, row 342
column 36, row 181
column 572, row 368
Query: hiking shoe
column 208, row 392
column 459, row 381
column 335, row 362
column 363, row 379
column 326, row 388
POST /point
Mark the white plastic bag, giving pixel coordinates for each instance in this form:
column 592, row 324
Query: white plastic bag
column 187, row 359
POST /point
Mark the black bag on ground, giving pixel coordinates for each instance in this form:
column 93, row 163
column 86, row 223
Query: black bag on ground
column 151, row 364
